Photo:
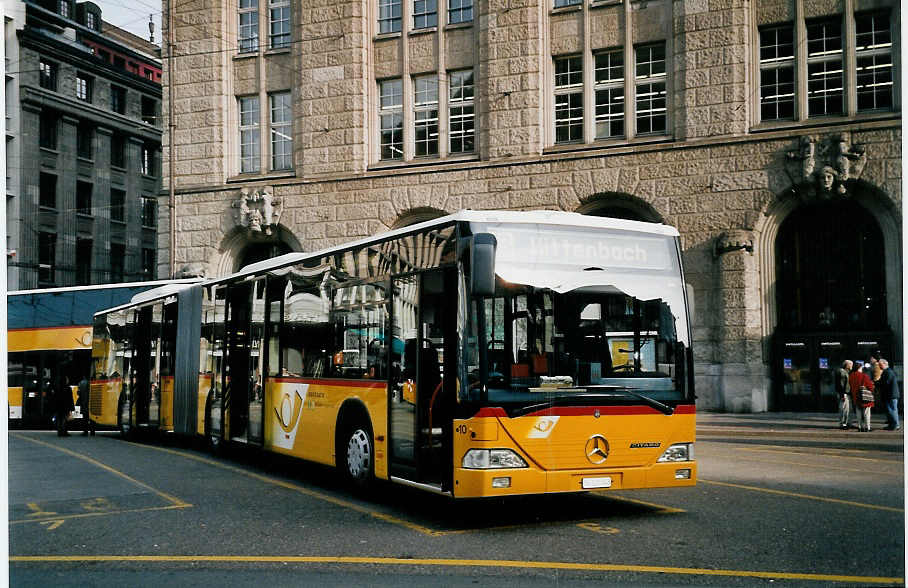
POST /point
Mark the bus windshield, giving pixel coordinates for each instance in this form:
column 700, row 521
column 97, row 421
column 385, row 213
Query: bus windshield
column 578, row 317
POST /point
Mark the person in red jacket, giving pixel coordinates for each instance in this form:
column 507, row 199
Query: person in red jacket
column 856, row 380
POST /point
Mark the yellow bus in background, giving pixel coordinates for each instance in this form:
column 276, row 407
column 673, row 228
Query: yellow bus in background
column 487, row 353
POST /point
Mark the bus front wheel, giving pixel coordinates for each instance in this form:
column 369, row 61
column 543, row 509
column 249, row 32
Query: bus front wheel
column 358, row 456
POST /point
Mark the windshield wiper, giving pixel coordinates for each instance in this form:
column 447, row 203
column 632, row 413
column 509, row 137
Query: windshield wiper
column 663, row 408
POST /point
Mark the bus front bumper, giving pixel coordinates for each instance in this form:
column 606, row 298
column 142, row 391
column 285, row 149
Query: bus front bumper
column 475, row 483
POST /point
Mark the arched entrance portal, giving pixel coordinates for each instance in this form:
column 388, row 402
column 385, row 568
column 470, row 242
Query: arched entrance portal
column 830, row 299
column 260, row 251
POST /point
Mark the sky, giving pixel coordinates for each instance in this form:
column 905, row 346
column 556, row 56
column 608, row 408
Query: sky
column 132, row 15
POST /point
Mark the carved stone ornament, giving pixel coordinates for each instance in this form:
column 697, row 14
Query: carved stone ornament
column 259, row 210
column 827, row 164
column 734, row 240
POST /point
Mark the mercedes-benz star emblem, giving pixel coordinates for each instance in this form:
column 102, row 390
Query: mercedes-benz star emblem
column 597, row 449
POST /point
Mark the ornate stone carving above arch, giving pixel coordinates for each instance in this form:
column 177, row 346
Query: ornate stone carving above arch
column 619, row 205
column 416, row 215
column 233, row 244
column 824, row 166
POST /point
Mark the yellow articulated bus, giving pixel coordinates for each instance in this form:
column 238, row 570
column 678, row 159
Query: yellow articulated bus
column 479, row 354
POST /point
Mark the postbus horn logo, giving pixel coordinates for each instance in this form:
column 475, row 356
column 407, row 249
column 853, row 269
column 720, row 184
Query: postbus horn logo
column 597, row 449
column 285, row 417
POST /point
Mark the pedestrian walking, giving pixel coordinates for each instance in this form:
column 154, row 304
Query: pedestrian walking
column 862, row 395
column 844, row 392
column 63, row 405
column 888, row 389
column 82, row 403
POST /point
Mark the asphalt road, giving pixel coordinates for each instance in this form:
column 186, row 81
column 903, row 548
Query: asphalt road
column 812, row 509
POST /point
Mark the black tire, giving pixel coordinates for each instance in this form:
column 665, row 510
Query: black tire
column 124, row 410
column 357, row 455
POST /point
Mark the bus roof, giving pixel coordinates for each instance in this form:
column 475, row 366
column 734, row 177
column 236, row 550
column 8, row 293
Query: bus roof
column 149, row 284
column 540, row 217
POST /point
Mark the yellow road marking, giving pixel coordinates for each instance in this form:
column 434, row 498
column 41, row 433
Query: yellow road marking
column 597, row 528
column 480, row 563
column 660, row 508
column 51, row 525
column 168, row 497
column 36, row 510
column 838, row 453
column 101, row 514
column 799, row 495
column 822, row 467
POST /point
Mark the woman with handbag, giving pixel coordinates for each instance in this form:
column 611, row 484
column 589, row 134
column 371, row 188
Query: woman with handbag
column 862, row 394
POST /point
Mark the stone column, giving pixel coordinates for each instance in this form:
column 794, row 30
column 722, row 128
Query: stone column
column 743, row 379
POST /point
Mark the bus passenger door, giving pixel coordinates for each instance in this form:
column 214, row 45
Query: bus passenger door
column 243, row 385
column 423, row 360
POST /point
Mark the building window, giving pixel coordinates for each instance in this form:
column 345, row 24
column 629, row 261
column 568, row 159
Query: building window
column 64, row 8
column 562, row 3
column 279, row 19
column 47, row 253
column 425, row 115
column 649, row 84
column 568, row 99
column 47, row 196
column 873, row 51
column 117, row 262
column 91, row 20
column 149, row 159
column 388, row 16
column 777, row 73
column 83, row 197
column 48, row 75
column 148, row 263
column 84, row 85
column 609, row 94
column 118, row 99
column 118, row 150
column 47, row 130
column 461, row 112
column 825, row 80
column 85, row 140
column 250, row 147
column 281, row 131
column 149, row 111
column 425, row 14
column 117, row 205
column 392, row 119
column 460, row 11
column 248, row 28
column 149, row 212
column 83, row 261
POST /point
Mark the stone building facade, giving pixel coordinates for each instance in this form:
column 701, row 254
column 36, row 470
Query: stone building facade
column 768, row 133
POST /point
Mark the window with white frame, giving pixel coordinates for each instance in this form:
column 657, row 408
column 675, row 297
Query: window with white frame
column 461, row 112
column 425, row 116
column 609, row 94
column 391, row 119
column 825, row 79
column 248, row 26
column 568, row 99
column 649, row 86
column 562, row 3
column 48, row 74
column 250, row 146
column 389, row 16
column 777, row 73
column 281, row 131
column 425, row 14
column 460, row 11
column 873, row 52
column 83, row 87
column 64, row 8
column 279, row 23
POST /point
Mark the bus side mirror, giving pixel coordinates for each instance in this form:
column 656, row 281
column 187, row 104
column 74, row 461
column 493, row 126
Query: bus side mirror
column 482, row 264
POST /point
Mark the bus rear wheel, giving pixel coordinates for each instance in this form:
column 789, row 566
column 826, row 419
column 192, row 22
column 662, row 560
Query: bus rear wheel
column 359, row 456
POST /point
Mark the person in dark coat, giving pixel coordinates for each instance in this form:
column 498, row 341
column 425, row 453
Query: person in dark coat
column 888, row 388
column 63, row 405
column 82, row 402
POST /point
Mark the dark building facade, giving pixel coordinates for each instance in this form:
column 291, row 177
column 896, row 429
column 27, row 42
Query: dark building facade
column 83, row 148
column 767, row 132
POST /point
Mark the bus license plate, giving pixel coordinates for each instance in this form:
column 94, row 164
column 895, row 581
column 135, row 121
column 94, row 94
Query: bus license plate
column 591, row 483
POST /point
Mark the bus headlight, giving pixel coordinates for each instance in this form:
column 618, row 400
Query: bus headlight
column 678, row 452
column 489, row 459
